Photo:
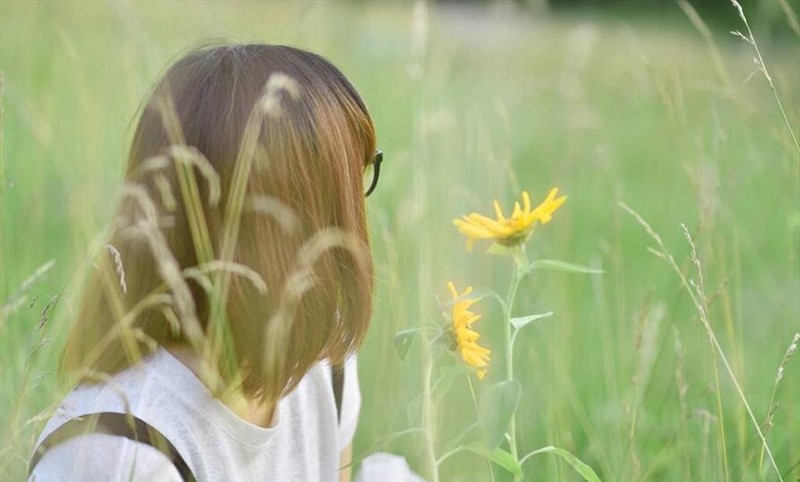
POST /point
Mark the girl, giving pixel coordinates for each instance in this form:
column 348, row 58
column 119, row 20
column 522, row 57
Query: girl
column 213, row 338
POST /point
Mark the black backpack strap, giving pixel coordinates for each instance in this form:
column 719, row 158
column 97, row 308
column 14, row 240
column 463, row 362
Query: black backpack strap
column 337, row 375
column 120, row 424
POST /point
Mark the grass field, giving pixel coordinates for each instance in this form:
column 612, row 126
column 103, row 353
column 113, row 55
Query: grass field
column 471, row 105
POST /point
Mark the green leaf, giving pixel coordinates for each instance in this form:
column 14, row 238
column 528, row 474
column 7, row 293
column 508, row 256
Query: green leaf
column 447, row 375
column 556, row 265
column 498, row 456
column 414, row 411
column 497, row 406
column 586, row 472
column 402, row 341
column 441, row 388
column 442, row 339
column 521, row 321
column 497, row 248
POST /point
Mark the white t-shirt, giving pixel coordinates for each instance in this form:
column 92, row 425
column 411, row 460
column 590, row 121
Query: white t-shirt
column 303, row 443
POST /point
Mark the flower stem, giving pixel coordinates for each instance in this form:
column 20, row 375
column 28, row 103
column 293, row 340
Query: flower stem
column 512, row 293
column 478, row 414
column 428, row 416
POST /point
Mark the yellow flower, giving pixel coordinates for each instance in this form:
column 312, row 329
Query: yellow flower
column 513, row 230
column 466, row 339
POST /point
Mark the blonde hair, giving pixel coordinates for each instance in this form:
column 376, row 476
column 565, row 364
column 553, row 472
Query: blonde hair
column 253, row 241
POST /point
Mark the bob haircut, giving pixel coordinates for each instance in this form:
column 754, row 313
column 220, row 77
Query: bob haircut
column 241, row 230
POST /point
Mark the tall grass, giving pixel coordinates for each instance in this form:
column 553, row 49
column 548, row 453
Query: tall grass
column 472, row 104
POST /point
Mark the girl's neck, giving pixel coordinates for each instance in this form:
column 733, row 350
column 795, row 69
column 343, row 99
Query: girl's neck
column 253, row 411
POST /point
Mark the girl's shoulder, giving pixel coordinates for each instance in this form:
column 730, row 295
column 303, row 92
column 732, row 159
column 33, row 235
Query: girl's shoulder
column 140, row 390
column 158, row 384
column 99, row 457
column 165, row 394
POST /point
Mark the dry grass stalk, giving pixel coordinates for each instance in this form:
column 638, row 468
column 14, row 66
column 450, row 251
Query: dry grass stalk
column 647, row 330
column 165, row 191
column 698, row 299
column 192, row 157
column 16, row 300
column 190, row 192
column 170, row 272
column 772, row 407
column 276, row 209
column 683, row 389
column 270, row 102
column 47, row 311
column 297, row 284
column 172, row 319
column 200, row 274
column 762, row 67
column 702, row 27
column 791, row 16
column 268, row 105
column 152, row 164
column 120, row 269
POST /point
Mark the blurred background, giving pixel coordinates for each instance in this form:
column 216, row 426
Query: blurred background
column 651, row 103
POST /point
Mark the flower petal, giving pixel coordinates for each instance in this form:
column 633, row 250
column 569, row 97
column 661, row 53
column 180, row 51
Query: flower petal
column 512, row 230
column 499, row 212
column 452, row 287
column 492, row 224
column 474, row 231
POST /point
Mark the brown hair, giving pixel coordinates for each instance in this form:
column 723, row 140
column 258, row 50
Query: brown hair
column 250, row 245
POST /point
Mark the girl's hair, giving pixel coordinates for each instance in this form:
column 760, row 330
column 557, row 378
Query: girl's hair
column 241, row 230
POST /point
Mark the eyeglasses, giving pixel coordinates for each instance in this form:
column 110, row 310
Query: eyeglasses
column 371, row 173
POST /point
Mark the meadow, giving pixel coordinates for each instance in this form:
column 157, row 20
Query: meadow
column 667, row 116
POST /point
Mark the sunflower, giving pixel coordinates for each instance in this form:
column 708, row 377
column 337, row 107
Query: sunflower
column 465, row 338
column 513, row 230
